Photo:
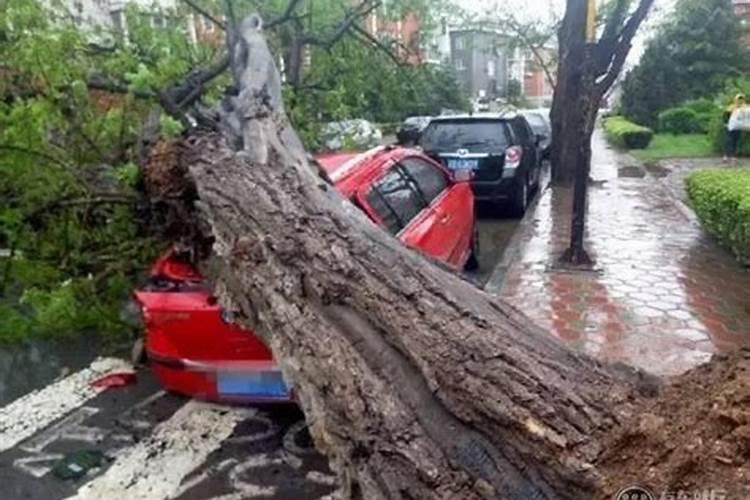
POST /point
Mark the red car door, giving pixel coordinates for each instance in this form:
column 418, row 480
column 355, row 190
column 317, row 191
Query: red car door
column 415, row 201
column 446, row 233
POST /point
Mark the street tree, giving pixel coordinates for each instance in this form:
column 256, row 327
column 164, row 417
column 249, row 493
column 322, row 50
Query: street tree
column 693, row 53
column 590, row 61
column 415, row 383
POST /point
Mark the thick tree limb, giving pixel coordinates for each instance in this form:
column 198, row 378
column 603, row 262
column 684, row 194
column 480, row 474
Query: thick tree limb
column 388, row 352
column 287, row 15
column 98, row 82
column 367, row 38
column 619, row 53
column 361, row 11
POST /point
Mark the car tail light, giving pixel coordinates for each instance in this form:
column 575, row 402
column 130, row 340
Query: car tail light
column 513, row 156
column 462, row 175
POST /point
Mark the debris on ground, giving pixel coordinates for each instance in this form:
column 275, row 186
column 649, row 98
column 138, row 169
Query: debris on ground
column 115, row 380
column 77, row 463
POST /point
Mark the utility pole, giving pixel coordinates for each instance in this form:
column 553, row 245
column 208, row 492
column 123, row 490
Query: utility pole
column 576, row 253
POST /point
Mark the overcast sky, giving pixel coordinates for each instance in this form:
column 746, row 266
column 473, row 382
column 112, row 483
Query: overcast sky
column 546, row 9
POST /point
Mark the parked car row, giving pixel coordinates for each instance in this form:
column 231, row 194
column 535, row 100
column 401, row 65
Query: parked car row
column 425, row 197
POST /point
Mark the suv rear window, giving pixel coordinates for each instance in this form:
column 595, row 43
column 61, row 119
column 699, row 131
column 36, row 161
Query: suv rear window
column 478, row 136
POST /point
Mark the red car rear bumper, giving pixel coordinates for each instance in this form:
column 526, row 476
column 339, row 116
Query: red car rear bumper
column 194, row 351
column 200, row 379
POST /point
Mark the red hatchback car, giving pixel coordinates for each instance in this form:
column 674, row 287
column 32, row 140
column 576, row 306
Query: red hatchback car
column 194, row 346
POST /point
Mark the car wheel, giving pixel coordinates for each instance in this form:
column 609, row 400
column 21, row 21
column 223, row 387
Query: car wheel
column 521, row 197
column 472, row 264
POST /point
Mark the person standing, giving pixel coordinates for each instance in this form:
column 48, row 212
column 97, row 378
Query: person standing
column 733, row 116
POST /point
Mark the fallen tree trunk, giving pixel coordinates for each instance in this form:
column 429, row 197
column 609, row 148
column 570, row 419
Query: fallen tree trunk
column 415, row 383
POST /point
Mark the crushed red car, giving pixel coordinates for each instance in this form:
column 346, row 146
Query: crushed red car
column 195, row 347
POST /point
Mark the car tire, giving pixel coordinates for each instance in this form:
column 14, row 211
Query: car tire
column 472, row 263
column 521, row 197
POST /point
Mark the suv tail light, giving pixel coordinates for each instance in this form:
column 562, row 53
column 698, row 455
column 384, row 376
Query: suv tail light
column 462, row 175
column 513, row 156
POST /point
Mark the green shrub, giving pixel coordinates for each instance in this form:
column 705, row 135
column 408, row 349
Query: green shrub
column 627, row 134
column 701, row 106
column 679, row 120
column 721, row 198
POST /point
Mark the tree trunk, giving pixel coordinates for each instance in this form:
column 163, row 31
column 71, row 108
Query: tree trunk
column 415, row 383
column 576, row 99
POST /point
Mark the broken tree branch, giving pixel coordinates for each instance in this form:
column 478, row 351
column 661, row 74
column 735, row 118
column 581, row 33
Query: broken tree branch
column 287, row 15
column 622, row 47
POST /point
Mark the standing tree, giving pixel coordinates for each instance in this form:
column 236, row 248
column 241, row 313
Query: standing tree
column 415, row 383
column 588, row 66
column 691, row 56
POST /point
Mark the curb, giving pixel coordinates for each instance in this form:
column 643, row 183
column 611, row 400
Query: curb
column 515, row 245
column 681, row 206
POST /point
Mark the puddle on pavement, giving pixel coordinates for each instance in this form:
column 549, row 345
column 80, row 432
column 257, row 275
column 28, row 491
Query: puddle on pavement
column 631, row 171
column 28, row 366
column 657, row 170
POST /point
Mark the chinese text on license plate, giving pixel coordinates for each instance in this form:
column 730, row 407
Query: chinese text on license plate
column 463, row 163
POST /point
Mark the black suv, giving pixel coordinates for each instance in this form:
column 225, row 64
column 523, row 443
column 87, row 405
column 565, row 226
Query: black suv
column 501, row 149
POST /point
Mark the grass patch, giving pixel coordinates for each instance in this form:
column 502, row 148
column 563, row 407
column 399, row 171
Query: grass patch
column 675, row 146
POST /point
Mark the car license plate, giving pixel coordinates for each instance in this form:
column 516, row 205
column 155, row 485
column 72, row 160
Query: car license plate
column 260, row 384
column 463, row 163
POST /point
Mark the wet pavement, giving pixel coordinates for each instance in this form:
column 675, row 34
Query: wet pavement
column 662, row 296
column 29, row 365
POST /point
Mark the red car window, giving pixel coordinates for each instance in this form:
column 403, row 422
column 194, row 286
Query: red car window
column 430, row 180
column 396, row 199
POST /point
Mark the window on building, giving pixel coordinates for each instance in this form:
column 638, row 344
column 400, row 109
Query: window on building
column 460, row 65
column 459, row 44
column 118, row 20
column 491, row 68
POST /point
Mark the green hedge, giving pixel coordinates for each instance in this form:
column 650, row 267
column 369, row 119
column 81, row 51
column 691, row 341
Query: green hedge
column 721, row 198
column 627, row 134
column 680, row 120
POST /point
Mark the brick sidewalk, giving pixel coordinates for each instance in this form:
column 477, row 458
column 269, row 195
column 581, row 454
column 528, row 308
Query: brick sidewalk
column 664, row 298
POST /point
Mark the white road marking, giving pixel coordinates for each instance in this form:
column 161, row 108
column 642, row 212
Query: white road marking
column 26, row 415
column 153, row 468
column 209, row 472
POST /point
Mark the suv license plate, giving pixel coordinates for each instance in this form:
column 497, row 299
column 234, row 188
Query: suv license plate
column 463, row 164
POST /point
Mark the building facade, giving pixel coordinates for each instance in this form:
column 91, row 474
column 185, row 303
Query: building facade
column 480, row 60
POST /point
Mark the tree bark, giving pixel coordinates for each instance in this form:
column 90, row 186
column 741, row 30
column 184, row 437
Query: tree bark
column 584, row 75
column 415, row 383
column 575, row 101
